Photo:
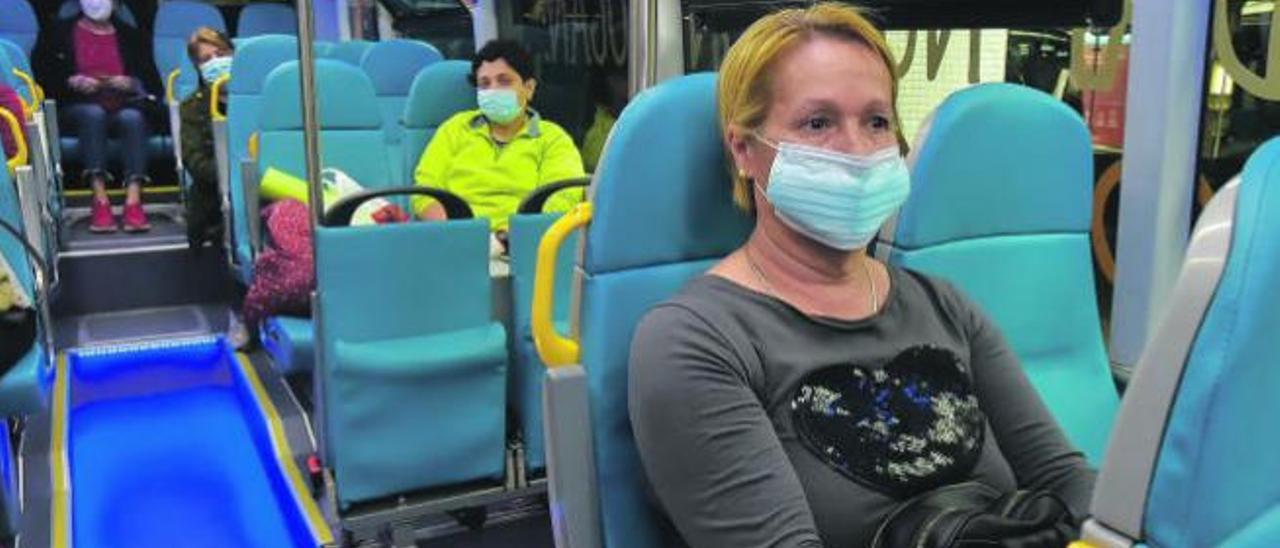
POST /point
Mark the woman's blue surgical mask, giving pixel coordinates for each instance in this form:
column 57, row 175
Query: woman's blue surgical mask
column 500, row 105
column 215, row 68
column 836, row 199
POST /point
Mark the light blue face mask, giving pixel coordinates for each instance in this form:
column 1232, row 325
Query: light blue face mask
column 215, row 68
column 836, row 199
column 499, row 105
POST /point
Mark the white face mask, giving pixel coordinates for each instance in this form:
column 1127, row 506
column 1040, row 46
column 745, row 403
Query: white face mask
column 836, row 199
column 97, row 10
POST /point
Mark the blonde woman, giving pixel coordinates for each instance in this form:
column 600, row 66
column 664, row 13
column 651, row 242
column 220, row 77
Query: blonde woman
column 801, row 391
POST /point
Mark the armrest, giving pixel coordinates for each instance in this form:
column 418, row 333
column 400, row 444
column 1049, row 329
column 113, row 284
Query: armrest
column 252, row 201
column 533, row 202
column 340, row 214
column 571, row 468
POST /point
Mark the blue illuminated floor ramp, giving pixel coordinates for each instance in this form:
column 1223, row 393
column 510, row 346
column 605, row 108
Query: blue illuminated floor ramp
column 173, row 445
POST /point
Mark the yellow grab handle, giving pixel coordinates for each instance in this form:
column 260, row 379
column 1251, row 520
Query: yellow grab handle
column 1081, row 544
column 215, row 90
column 37, row 93
column 168, row 85
column 18, row 137
column 554, row 349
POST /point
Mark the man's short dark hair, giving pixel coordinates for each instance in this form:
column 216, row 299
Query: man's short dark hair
column 507, row 50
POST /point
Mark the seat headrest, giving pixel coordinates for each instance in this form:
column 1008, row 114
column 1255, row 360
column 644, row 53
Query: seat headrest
column 997, row 159
column 13, row 51
column 350, row 51
column 662, row 193
column 19, row 23
column 393, row 64
column 438, row 92
column 267, row 18
column 178, row 18
column 256, row 58
column 344, row 98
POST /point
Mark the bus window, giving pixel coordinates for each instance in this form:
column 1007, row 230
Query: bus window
column 580, row 48
column 445, row 24
column 1240, row 104
column 1087, row 69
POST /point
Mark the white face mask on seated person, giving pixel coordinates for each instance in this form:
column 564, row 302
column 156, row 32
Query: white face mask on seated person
column 97, row 10
column 837, row 199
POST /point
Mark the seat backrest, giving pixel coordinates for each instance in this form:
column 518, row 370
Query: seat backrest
column 16, row 56
column 350, row 51
column 175, row 21
column 266, row 18
column 1214, row 480
column 19, row 23
column 8, row 78
column 438, row 92
column 393, row 65
column 253, row 61
column 988, row 216
column 662, row 215
column 350, row 138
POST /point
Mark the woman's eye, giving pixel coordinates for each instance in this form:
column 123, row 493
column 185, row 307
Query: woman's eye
column 817, row 123
column 880, row 123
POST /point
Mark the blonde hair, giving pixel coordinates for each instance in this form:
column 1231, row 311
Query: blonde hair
column 206, row 35
column 744, row 88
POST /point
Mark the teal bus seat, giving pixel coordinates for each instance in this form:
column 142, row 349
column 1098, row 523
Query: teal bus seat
column 663, row 214
column 412, row 368
column 350, row 51
column 8, row 62
column 323, row 50
column 350, row 140
column 525, row 379
column 1192, row 460
column 393, row 65
column 19, row 24
column 253, row 61
column 290, row 342
column 18, row 60
column 175, row 21
column 438, row 92
column 24, row 389
column 266, row 18
column 987, row 215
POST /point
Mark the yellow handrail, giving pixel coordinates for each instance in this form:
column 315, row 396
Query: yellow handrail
column 19, row 137
column 168, row 84
column 554, row 349
column 215, row 91
column 37, row 92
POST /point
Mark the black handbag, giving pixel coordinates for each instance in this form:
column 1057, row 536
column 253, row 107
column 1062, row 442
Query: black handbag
column 973, row 514
column 17, row 324
column 17, row 335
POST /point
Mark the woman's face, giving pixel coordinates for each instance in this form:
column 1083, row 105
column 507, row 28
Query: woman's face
column 206, row 51
column 828, row 93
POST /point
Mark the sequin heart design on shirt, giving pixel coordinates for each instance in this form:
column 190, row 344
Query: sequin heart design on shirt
column 900, row 429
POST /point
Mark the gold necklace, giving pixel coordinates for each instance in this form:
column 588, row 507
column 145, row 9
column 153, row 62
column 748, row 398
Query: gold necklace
column 871, row 280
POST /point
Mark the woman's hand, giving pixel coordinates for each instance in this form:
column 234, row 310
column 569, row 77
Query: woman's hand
column 83, row 84
column 434, row 212
column 120, row 83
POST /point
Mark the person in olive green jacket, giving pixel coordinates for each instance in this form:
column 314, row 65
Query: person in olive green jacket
column 494, row 156
column 211, row 51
